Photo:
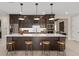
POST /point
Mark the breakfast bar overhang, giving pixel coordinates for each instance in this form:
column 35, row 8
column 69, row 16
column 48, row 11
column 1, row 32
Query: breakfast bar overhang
column 36, row 38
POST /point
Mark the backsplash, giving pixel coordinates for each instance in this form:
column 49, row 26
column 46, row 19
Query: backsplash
column 35, row 28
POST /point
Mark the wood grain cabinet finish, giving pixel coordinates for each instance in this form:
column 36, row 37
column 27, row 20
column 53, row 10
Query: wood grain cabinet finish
column 29, row 21
column 20, row 42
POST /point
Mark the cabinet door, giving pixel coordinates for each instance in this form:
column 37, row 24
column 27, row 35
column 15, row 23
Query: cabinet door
column 14, row 19
column 26, row 23
column 61, row 26
column 50, row 26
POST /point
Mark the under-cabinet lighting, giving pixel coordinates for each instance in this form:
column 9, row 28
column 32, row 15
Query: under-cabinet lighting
column 21, row 18
column 36, row 18
column 51, row 18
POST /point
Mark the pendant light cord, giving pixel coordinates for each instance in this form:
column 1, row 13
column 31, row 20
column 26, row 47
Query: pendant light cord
column 51, row 8
column 21, row 11
column 21, row 4
column 36, row 8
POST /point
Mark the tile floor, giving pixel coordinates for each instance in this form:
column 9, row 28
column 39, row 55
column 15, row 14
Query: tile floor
column 72, row 49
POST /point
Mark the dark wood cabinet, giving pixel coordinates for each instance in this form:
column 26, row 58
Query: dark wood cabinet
column 49, row 23
column 20, row 42
column 28, row 21
column 13, row 19
column 61, row 26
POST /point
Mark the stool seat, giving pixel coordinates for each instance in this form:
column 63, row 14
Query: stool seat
column 28, row 42
column 12, row 42
column 46, row 42
column 62, row 43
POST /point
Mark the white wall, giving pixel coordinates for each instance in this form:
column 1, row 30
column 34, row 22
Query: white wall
column 4, row 17
column 69, row 28
column 4, row 24
column 75, row 28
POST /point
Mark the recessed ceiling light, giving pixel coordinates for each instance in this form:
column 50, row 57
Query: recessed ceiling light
column 66, row 13
column 43, row 13
column 20, row 12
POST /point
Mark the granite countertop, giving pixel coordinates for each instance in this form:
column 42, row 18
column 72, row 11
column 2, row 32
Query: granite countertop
column 36, row 35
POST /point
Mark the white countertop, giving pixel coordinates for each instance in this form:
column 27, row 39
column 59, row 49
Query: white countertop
column 36, row 35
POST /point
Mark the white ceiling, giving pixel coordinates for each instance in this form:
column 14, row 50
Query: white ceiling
column 59, row 8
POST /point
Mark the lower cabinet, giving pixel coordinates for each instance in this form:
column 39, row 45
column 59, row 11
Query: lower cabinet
column 20, row 42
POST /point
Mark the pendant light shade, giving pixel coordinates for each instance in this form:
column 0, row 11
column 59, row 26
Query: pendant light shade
column 36, row 18
column 52, row 17
column 21, row 11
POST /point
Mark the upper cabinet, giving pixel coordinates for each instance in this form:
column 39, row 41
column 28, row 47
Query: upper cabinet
column 26, row 23
column 61, row 26
column 13, row 19
column 29, row 21
column 49, row 24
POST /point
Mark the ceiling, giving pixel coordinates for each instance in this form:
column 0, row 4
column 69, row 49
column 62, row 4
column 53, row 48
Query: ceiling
column 59, row 8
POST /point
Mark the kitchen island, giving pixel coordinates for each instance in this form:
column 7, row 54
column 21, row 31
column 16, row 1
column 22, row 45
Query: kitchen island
column 36, row 38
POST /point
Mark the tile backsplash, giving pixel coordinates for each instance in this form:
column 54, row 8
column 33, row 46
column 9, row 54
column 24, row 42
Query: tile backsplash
column 35, row 28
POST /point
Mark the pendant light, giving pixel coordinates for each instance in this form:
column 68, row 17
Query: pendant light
column 36, row 18
column 21, row 11
column 51, row 17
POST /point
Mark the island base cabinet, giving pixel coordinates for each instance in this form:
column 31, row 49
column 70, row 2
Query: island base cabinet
column 20, row 42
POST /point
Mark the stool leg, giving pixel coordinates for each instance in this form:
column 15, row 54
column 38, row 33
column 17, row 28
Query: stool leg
column 14, row 49
column 43, row 50
column 58, row 51
column 7, row 53
column 31, row 49
column 49, row 49
column 11, row 50
column 64, row 54
column 26, row 50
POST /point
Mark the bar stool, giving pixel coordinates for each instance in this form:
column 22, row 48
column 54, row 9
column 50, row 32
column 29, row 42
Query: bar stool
column 61, row 45
column 28, row 44
column 46, row 46
column 11, row 47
